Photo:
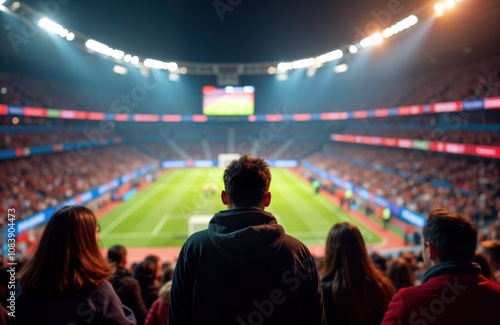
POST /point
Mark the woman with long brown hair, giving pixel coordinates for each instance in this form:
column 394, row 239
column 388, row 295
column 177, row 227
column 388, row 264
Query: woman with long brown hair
column 355, row 292
column 65, row 281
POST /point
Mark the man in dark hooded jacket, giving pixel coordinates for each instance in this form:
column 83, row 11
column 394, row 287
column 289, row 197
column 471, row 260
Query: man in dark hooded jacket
column 244, row 269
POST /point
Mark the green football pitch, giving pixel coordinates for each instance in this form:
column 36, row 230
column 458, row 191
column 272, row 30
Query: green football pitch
column 159, row 214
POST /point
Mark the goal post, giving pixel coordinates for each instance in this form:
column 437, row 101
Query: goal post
column 198, row 222
column 226, row 158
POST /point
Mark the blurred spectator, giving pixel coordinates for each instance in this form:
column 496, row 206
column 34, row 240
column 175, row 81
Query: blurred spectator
column 125, row 286
column 146, row 275
column 158, row 314
column 400, row 273
column 491, row 251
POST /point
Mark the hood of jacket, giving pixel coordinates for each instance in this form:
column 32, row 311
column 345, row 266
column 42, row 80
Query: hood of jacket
column 247, row 238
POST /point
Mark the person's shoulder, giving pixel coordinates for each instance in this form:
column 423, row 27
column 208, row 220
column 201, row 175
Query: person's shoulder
column 293, row 243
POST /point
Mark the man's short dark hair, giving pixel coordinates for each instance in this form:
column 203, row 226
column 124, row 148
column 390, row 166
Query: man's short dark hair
column 453, row 235
column 246, row 181
column 117, row 254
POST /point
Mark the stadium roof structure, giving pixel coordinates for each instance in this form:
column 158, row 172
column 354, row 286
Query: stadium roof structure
column 234, row 37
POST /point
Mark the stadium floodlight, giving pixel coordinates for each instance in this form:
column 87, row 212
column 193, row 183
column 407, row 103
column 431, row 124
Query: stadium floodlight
column 117, row 54
column 283, row 66
column 271, row 70
column 330, row 56
column 439, row 9
column 353, row 49
column 304, row 63
column 172, row 66
column 449, row 4
column 127, row 58
column 98, row 47
column 341, row 68
column 183, row 70
column 134, row 60
column 400, row 26
column 51, row 26
column 2, row 2
column 70, row 36
column 372, row 40
column 64, row 33
column 155, row 64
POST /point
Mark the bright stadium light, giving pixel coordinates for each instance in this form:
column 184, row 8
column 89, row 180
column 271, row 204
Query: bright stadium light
column 439, row 9
column 172, row 66
column 127, row 58
column 283, row 66
column 70, row 36
column 64, row 33
column 330, row 56
column 449, row 4
column 372, row 40
column 155, row 64
column 353, row 49
column 134, row 60
column 400, row 26
column 2, row 2
column 51, row 26
column 304, row 63
column 271, row 70
column 98, row 47
column 117, row 54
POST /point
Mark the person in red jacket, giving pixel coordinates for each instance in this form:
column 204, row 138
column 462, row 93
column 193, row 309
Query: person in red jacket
column 453, row 290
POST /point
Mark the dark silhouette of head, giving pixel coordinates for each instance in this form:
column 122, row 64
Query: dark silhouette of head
column 246, row 183
column 452, row 236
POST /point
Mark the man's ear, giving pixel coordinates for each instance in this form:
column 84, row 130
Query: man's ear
column 267, row 199
column 432, row 253
column 223, row 197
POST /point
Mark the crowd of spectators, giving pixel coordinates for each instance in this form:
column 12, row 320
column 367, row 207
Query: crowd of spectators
column 36, row 183
column 419, row 181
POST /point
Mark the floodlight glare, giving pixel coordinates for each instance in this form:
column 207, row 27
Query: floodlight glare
column 304, row 63
column 353, row 49
column 117, row 54
column 330, row 56
column 283, row 66
column 50, row 26
column 135, row 59
column 64, row 33
column 172, row 66
column 127, row 58
column 118, row 69
column 155, row 64
column 449, row 4
column 271, row 70
column 341, row 68
column 2, row 2
column 98, row 47
column 439, row 8
column 70, row 37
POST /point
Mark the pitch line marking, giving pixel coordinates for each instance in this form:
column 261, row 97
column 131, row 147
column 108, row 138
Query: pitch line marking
column 129, row 211
column 158, row 227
